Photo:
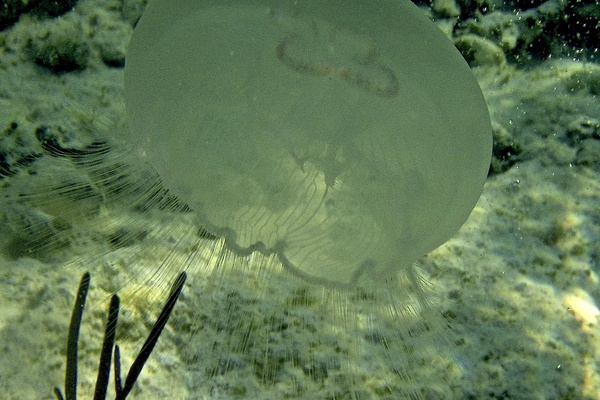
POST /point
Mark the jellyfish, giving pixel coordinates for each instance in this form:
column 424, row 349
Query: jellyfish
column 348, row 141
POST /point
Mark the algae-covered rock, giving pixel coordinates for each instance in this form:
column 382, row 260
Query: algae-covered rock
column 51, row 8
column 479, row 51
column 59, row 47
column 533, row 30
column 445, row 8
column 11, row 10
column 506, row 150
column 587, row 80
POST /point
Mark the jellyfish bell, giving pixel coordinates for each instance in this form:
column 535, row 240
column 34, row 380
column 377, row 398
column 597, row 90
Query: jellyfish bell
column 347, row 139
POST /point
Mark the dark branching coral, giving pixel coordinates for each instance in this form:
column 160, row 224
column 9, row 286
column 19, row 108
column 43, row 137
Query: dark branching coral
column 106, row 355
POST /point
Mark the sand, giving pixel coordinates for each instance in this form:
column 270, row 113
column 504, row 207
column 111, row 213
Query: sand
column 516, row 289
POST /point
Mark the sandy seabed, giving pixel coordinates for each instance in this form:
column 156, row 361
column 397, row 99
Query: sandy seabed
column 514, row 292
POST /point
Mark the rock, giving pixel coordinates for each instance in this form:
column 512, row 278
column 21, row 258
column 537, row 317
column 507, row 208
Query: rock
column 479, row 51
column 505, row 151
column 59, row 46
column 446, row 8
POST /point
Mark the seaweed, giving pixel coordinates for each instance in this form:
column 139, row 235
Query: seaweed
column 106, row 355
